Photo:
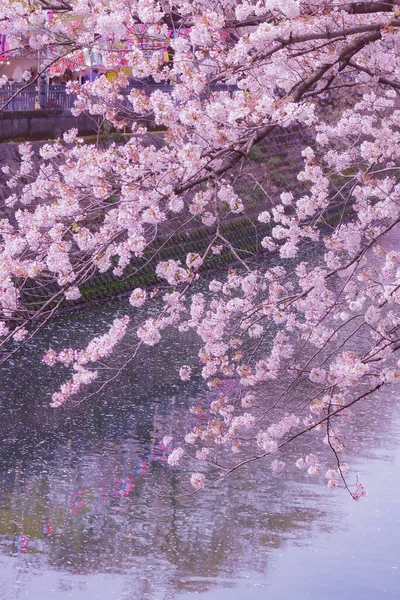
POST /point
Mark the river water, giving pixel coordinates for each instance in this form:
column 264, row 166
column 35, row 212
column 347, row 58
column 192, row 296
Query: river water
column 89, row 508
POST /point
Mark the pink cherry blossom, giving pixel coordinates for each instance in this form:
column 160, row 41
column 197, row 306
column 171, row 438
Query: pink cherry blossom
column 175, row 457
column 185, row 373
column 137, row 297
column 198, row 480
column 307, row 319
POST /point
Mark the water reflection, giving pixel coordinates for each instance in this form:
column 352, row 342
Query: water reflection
column 89, row 508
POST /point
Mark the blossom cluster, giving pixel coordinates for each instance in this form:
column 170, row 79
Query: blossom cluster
column 302, row 337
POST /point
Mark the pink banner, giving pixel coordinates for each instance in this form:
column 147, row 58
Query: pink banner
column 75, row 63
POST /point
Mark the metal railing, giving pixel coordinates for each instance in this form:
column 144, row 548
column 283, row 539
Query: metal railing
column 25, row 99
column 55, row 96
column 35, row 97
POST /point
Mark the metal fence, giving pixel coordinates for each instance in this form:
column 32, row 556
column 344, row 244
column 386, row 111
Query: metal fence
column 19, row 97
column 56, row 98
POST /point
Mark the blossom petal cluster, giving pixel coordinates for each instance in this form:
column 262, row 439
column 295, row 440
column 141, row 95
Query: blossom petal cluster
column 304, row 323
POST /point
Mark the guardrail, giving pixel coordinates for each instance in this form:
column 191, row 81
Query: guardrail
column 25, row 99
column 33, row 97
column 55, row 96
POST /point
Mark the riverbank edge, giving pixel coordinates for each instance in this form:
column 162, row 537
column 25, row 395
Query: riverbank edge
column 246, row 233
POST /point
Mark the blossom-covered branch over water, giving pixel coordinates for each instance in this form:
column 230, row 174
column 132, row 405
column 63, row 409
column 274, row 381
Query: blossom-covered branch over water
column 302, row 340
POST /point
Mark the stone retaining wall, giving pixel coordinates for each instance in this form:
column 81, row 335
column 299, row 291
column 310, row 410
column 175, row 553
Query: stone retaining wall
column 272, row 169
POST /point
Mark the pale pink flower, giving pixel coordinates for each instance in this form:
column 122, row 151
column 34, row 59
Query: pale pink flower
column 20, row 334
column 72, row 293
column 277, row 466
column 314, row 469
column 190, row 438
column 149, row 333
column 208, row 219
column 248, row 400
column 266, row 443
column 50, row 357
column 360, row 491
column 332, row 484
column 215, row 286
column 4, row 330
column 331, row 474
column 198, row 480
column 185, row 373
column 193, row 261
column 287, row 198
column 70, row 136
column 58, row 399
column 264, row 217
column 203, row 454
column 175, row 204
column 318, row 375
column 175, row 457
column 137, row 297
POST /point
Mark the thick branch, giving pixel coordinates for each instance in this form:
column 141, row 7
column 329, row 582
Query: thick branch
column 382, row 80
column 365, row 8
column 344, row 57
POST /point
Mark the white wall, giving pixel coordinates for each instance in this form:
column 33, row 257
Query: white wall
column 15, row 67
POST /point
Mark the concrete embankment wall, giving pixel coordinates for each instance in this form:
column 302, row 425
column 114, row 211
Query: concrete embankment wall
column 36, row 125
column 43, row 124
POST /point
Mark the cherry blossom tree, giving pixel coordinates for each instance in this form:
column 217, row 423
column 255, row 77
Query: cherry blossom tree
column 302, row 340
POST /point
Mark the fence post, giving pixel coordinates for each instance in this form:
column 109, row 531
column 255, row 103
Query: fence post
column 43, row 91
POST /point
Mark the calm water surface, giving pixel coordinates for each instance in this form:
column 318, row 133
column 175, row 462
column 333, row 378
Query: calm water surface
column 89, row 509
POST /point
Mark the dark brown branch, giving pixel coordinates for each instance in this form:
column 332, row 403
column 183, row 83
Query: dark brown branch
column 365, row 8
column 344, row 57
column 382, row 80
